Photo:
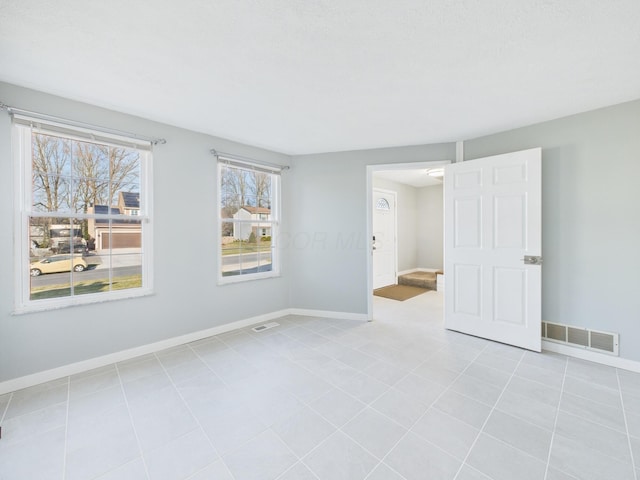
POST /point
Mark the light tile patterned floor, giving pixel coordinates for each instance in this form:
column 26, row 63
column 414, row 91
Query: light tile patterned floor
column 323, row 399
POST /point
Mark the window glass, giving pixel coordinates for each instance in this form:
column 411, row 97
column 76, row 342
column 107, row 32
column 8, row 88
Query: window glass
column 248, row 222
column 85, row 218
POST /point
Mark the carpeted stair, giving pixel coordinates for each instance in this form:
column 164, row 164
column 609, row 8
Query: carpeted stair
column 419, row 279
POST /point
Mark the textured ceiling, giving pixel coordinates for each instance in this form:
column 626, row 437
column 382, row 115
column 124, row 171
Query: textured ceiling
column 329, row 75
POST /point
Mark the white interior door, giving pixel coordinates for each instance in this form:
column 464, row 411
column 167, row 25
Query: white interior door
column 384, row 238
column 492, row 222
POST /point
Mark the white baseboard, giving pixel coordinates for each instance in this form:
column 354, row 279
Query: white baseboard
column 591, row 356
column 404, row 272
column 104, row 360
column 329, row 314
column 413, row 270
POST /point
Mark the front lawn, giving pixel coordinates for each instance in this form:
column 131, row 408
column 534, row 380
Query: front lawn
column 89, row 286
column 238, row 247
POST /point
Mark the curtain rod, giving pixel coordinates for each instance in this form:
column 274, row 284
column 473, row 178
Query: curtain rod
column 249, row 161
column 73, row 123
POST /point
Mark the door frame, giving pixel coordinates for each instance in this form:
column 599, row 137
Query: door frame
column 369, row 252
column 395, row 230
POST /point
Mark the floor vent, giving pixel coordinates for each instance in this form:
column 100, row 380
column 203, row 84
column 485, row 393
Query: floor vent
column 265, row 326
column 604, row 342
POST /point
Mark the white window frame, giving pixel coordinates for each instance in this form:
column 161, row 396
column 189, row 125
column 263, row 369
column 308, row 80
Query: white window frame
column 274, row 221
column 23, row 183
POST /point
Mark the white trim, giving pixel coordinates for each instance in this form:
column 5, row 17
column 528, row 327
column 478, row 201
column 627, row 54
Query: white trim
column 329, row 314
column 249, row 277
column 276, row 213
column 23, row 185
column 20, row 138
column 591, row 356
column 406, row 272
column 104, row 360
column 420, row 269
column 79, row 300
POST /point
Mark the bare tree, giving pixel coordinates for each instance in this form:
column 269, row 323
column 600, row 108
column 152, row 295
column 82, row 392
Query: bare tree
column 235, row 189
column 102, row 172
column 50, row 160
column 70, row 175
column 92, row 168
column 262, row 187
column 124, row 170
column 50, row 188
column 241, row 188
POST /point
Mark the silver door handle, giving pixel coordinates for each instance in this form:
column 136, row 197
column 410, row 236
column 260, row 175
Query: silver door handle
column 532, row 260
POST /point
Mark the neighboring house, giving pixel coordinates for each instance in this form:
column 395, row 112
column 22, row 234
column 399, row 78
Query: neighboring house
column 125, row 234
column 58, row 234
column 129, row 203
column 242, row 231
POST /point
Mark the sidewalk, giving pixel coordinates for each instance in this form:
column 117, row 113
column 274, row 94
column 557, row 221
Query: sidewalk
column 114, row 260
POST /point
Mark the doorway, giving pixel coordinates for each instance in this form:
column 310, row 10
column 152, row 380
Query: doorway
column 408, row 183
column 492, row 210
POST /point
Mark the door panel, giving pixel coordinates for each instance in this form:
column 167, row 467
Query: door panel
column 468, row 289
column 384, row 232
column 467, row 214
column 509, row 213
column 492, row 220
column 509, row 307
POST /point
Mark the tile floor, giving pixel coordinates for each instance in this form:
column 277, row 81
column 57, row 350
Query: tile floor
column 323, row 399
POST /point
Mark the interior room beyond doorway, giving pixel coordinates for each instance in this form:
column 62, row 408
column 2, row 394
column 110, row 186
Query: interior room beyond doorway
column 415, row 195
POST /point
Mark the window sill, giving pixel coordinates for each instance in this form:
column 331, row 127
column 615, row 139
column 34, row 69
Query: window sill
column 65, row 302
column 246, row 278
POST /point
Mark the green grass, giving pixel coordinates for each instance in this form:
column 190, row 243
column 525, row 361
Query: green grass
column 83, row 288
column 245, row 247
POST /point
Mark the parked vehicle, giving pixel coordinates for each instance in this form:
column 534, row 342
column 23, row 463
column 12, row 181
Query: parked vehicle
column 77, row 248
column 57, row 264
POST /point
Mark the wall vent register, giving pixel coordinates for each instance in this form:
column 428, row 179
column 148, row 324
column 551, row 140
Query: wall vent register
column 604, row 342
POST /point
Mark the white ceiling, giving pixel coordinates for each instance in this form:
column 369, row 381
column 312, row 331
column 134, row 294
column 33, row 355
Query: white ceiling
column 329, row 75
column 414, row 177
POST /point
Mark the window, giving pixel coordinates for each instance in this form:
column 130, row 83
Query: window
column 76, row 242
column 248, row 217
column 382, row 204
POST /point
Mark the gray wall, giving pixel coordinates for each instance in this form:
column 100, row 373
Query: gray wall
column 330, row 192
column 430, row 223
column 186, row 296
column 407, row 217
column 591, row 233
column 590, row 217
